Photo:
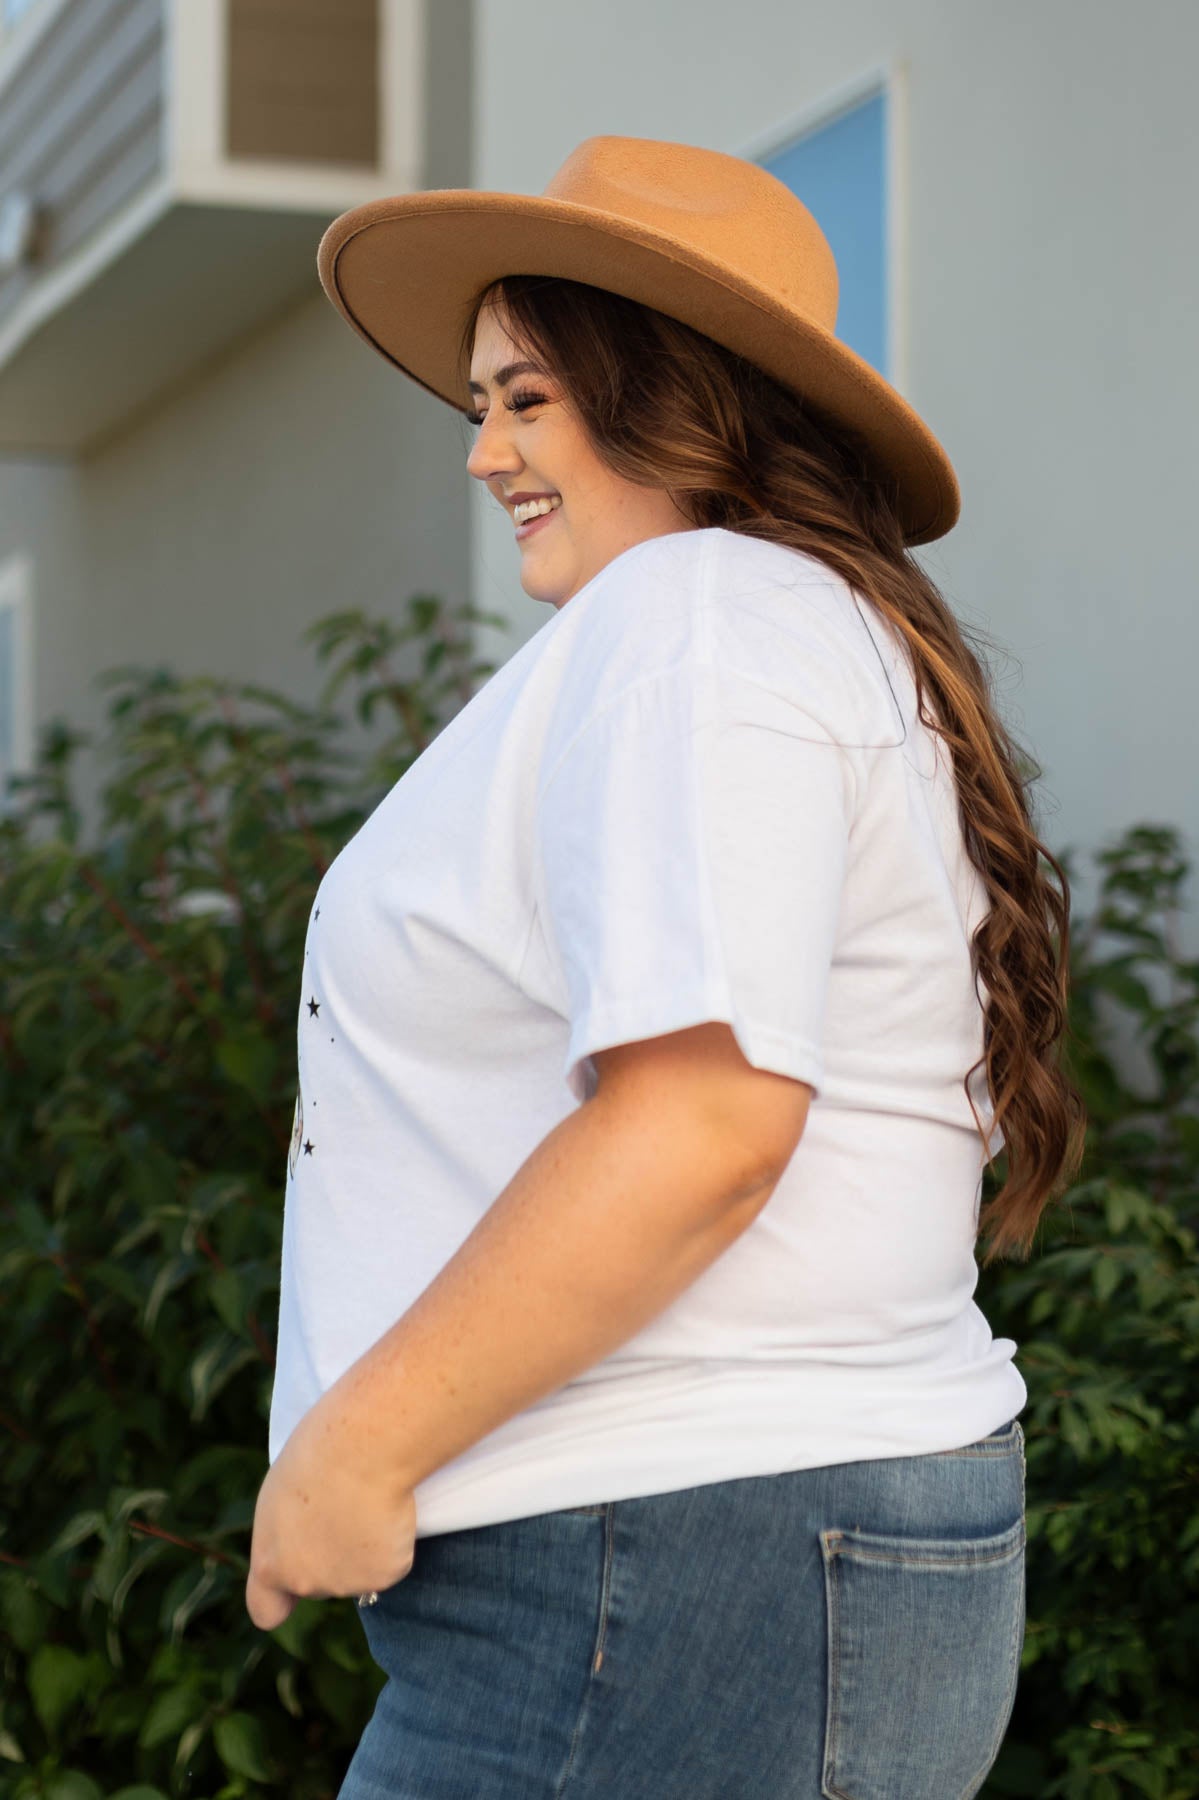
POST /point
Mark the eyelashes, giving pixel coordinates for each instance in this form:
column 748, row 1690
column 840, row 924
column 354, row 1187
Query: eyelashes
column 519, row 403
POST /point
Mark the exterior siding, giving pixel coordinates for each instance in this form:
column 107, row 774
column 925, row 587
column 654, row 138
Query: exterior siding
column 81, row 129
column 303, row 81
column 284, row 472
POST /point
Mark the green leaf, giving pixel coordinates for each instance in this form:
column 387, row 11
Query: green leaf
column 193, row 1599
column 1106, row 1277
column 288, row 1691
column 229, row 1298
column 302, row 1623
column 1118, row 980
column 145, row 1559
column 111, row 1564
column 137, row 1500
column 53, row 1578
column 169, row 1713
column 241, row 1745
column 189, row 1743
column 171, row 1276
column 217, row 1363
column 58, row 1677
column 23, row 1610
column 1144, row 1777
column 70, row 1784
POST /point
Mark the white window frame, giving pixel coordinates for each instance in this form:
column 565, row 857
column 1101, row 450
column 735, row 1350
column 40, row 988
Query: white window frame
column 891, row 78
column 16, row 598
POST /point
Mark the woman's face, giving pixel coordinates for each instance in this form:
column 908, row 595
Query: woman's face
column 530, row 443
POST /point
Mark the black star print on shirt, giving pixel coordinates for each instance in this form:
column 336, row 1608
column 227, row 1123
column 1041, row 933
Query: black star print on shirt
column 314, row 1007
column 308, row 1146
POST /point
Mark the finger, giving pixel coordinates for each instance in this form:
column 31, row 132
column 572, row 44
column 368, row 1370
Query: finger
column 268, row 1607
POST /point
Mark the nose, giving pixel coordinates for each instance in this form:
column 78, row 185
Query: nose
column 493, row 452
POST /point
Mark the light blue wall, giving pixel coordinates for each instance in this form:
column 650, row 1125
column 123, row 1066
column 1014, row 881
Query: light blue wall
column 838, row 170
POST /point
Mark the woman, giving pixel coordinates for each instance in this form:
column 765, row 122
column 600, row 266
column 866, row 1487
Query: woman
column 655, row 1032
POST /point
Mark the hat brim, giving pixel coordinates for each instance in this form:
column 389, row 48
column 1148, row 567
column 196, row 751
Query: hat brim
column 403, row 271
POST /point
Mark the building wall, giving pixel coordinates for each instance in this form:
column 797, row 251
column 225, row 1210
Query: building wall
column 294, row 475
column 81, row 128
column 1047, row 159
column 298, row 477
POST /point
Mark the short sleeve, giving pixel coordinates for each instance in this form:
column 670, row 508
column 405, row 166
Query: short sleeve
column 691, row 855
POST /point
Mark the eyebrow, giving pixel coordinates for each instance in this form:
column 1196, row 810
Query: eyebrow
column 504, row 375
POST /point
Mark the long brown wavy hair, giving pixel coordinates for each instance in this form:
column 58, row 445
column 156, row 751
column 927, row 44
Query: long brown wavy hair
column 665, row 407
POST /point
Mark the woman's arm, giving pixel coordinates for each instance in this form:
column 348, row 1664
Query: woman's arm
column 620, row 1208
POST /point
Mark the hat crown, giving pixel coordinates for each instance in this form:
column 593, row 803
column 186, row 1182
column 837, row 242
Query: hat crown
column 721, row 207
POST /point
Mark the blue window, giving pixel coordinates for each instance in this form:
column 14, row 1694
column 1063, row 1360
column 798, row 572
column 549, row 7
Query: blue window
column 839, row 172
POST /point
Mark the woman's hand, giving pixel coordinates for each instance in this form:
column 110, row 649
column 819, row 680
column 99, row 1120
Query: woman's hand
column 328, row 1520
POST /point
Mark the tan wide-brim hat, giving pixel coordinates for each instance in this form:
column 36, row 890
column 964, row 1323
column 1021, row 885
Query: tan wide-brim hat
column 709, row 239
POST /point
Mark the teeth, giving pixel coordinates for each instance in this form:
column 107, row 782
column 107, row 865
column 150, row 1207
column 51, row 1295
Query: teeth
column 532, row 509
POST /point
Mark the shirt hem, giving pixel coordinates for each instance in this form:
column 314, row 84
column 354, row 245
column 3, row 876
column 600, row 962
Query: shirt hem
column 581, row 1447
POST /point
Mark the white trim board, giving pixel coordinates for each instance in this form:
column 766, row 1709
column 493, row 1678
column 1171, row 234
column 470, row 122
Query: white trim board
column 16, row 599
column 892, row 79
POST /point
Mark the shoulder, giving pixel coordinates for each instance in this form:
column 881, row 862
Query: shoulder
column 661, row 585
column 784, row 619
column 638, row 618
column 659, row 572
column 691, row 606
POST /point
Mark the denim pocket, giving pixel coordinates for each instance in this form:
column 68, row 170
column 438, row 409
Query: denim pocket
column 924, row 1640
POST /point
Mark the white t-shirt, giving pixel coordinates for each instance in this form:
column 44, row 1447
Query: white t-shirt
column 701, row 791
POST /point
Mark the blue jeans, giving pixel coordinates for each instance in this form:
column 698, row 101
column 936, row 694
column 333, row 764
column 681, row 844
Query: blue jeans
column 851, row 1631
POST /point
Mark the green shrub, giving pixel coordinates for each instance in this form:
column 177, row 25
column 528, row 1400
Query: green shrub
column 147, row 1077
column 147, row 1074
column 1106, row 1317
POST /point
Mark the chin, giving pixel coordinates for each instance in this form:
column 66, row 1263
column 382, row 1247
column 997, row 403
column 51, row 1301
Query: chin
column 540, row 584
